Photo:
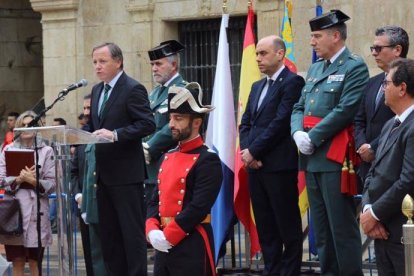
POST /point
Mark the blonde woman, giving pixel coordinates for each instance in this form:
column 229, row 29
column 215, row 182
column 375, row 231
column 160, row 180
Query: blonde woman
column 24, row 248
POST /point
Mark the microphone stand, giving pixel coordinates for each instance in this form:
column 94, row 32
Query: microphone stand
column 33, row 123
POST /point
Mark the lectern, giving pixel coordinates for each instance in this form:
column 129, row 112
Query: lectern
column 60, row 138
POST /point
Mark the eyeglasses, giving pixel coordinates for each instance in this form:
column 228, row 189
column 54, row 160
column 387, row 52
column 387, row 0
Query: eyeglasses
column 378, row 48
column 386, row 82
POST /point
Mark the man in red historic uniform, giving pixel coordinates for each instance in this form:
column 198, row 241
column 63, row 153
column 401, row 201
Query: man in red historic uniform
column 189, row 179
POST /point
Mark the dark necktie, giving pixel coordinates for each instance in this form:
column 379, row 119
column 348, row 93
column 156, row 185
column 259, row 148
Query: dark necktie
column 326, row 65
column 396, row 124
column 264, row 92
column 105, row 99
column 379, row 95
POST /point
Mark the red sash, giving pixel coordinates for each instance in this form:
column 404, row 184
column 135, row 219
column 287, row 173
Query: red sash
column 342, row 151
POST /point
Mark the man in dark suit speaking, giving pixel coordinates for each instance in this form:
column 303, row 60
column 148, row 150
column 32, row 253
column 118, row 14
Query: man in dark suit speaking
column 120, row 111
column 391, row 176
column 272, row 159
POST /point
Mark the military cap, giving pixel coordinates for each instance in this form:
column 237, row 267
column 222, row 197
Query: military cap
column 327, row 20
column 187, row 100
column 165, row 49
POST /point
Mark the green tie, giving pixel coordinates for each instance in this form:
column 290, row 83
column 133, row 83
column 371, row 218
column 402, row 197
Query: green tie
column 105, row 99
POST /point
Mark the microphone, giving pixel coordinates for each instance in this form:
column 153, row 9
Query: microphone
column 81, row 83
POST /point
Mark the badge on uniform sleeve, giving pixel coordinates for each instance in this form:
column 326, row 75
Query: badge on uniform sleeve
column 335, row 78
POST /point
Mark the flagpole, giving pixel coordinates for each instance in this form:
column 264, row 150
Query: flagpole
column 225, row 6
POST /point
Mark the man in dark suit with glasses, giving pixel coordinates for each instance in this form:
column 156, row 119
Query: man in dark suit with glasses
column 390, row 43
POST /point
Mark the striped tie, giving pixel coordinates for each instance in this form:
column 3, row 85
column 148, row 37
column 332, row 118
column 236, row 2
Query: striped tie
column 105, row 99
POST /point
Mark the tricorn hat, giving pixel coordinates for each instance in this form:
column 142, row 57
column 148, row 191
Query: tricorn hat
column 327, row 20
column 165, row 49
column 187, row 100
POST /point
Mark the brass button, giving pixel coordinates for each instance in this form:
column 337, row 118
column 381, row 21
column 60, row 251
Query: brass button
column 94, row 173
column 332, row 90
column 309, row 113
column 160, row 170
column 194, row 158
column 159, row 203
column 180, row 202
column 159, row 181
column 187, row 169
column 178, row 213
column 94, row 185
column 312, row 101
column 317, row 90
column 159, row 192
column 182, row 191
column 165, row 157
column 182, row 180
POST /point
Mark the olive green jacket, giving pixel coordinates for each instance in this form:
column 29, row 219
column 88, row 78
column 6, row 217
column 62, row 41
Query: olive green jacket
column 334, row 95
column 160, row 141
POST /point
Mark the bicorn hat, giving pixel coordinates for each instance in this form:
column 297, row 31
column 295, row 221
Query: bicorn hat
column 187, row 100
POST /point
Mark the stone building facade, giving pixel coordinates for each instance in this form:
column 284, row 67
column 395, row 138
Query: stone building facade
column 68, row 30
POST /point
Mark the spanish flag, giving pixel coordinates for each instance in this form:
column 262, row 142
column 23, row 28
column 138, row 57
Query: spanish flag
column 249, row 74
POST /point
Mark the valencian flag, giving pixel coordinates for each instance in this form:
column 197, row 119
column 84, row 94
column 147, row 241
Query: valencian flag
column 287, row 36
column 290, row 62
column 248, row 75
column 221, row 136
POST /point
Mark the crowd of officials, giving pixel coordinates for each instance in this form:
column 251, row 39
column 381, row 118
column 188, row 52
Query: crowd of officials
column 156, row 182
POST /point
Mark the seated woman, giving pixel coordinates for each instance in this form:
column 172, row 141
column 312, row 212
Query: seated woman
column 25, row 248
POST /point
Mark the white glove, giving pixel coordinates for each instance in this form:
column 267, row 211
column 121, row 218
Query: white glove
column 303, row 142
column 147, row 156
column 83, row 216
column 158, row 240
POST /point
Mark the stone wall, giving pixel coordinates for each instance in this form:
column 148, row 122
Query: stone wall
column 72, row 27
column 21, row 68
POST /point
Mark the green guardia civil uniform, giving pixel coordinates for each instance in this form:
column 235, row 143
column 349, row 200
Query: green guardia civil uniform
column 90, row 207
column 160, row 141
column 333, row 95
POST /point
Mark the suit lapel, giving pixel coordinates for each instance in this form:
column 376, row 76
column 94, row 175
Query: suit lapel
column 377, row 86
column 95, row 104
column 391, row 138
column 271, row 92
column 258, row 93
column 112, row 98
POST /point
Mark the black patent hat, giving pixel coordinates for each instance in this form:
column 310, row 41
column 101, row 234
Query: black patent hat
column 165, row 49
column 327, row 20
column 187, row 100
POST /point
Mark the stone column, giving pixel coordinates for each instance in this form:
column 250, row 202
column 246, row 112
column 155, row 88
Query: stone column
column 60, row 57
column 142, row 16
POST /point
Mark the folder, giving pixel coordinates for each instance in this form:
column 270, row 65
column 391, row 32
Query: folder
column 17, row 160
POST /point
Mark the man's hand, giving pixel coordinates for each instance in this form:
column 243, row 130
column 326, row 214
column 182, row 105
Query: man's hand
column 158, row 240
column 147, row 155
column 378, row 232
column 368, row 222
column 104, row 133
column 366, row 153
column 246, row 157
column 256, row 164
column 303, row 142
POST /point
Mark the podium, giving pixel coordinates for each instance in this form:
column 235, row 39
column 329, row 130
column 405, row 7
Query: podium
column 60, row 138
